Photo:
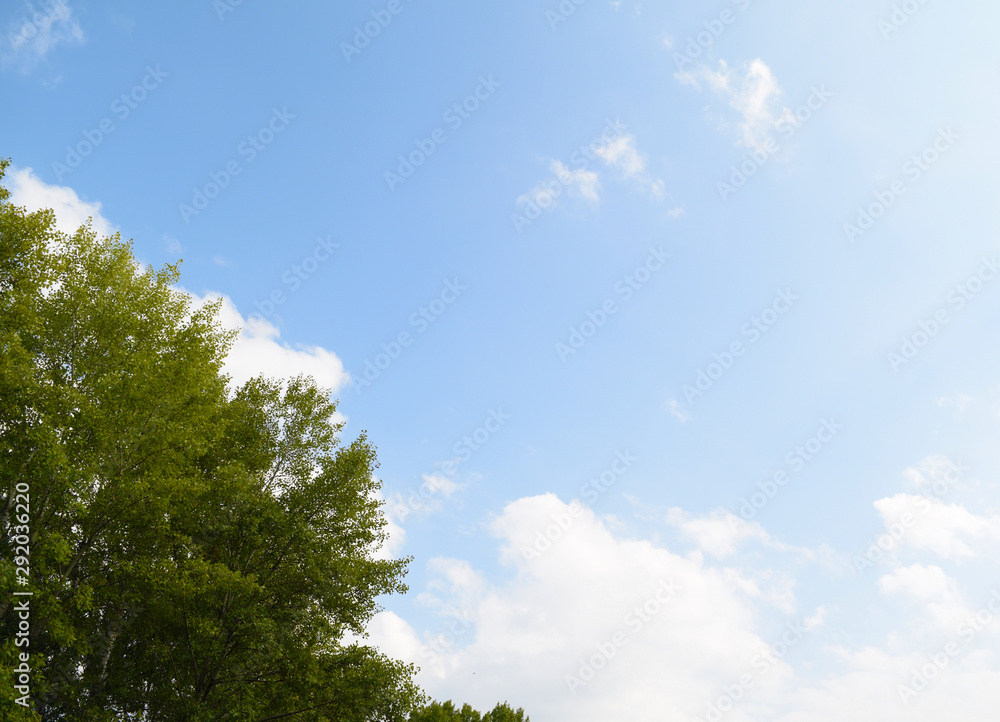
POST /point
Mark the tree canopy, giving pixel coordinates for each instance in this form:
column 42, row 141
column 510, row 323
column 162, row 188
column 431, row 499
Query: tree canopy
column 196, row 552
column 447, row 712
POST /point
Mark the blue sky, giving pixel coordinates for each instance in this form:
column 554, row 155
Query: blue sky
column 464, row 189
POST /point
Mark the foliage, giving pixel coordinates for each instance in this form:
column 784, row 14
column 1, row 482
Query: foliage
column 447, row 712
column 197, row 552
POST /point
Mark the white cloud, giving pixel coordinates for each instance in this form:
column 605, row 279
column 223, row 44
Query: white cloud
column 440, row 483
column 677, row 411
column 817, row 620
column 752, row 93
column 456, row 589
column 554, row 611
column 960, row 401
column 919, row 581
column 172, row 244
column 621, row 153
column 396, row 636
column 537, row 629
column 719, row 533
column 396, row 535
column 949, row 530
column 28, row 190
column 928, row 584
column 930, row 471
column 580, row 182
column 31, row 37
column 259, row 350
column 421, row 501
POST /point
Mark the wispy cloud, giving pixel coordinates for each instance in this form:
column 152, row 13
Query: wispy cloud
column 752, row 92
column 676, row 410
column 39, row 31
column 959, row 401
column 581, row 183
column 619, row 154
column 172, row 244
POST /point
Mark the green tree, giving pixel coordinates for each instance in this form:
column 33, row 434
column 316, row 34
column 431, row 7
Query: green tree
column 447, row 712
column 197, row 553
column 505, row 713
